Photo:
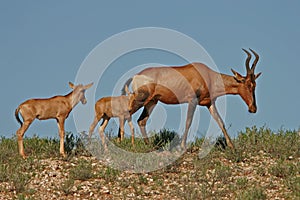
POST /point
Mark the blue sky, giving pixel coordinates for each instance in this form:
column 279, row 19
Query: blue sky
column 43, row 44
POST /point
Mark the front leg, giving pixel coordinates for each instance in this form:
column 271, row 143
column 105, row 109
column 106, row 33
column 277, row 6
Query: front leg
column 142, row 121
column 131, row 130
column 190, row 114
column 214, row 113
column 121, row 128
column 20, row 134
column 93, row 125
column 61, row 129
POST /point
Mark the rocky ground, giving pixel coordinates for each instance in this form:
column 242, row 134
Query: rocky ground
column 220, row 175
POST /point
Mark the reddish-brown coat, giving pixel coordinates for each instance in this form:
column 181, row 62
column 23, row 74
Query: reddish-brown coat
column 195, row 84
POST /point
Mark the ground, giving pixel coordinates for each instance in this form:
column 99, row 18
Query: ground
column 264, row 171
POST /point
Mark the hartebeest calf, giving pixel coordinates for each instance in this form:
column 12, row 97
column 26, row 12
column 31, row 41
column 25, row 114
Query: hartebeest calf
column 108, row 107
column 195, row 84
column 57, row 107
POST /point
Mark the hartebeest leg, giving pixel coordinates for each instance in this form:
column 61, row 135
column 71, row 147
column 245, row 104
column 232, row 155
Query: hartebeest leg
column 131, row 130
column 214, row 113
column 148, row 108
column 121, row 122
column 189, row 118
column 101, row 131
column 93, row 125
column 20, row 133
column 61, row 129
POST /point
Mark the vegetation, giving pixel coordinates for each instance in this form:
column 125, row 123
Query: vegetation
column 265, row 165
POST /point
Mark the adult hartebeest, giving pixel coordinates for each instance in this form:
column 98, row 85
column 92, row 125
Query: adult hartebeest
column 108, row 107
column 195, row 84
column 57, row 107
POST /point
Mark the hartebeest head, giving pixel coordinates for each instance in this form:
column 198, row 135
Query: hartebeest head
column 247, row 84
column 78, row 92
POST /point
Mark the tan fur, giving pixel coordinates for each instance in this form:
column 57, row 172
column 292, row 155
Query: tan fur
column 108, row 107
column 57, row 107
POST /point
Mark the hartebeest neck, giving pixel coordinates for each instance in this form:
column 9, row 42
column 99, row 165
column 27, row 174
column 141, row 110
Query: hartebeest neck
column 72, row 100
column 225, row 84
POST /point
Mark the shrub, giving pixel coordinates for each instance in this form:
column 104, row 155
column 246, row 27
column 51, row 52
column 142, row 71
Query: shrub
column 109, row 174
column 165, row 139
column 74, row 145
column 82, row 171
column 67, row 186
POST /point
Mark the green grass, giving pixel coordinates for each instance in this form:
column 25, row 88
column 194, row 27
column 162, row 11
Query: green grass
column 281, row 145
column 253, row 193
column 82, row 171
column 212, row 177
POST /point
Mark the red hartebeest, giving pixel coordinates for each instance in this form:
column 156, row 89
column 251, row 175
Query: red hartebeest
column 108, row 107
column 57, row 107
column 195, row 84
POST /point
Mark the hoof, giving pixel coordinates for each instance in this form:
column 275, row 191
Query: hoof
column 24, row 156
column 183, row 146
column 231, row 146
column 63, row 155
column 146, row 140
column 105, row 150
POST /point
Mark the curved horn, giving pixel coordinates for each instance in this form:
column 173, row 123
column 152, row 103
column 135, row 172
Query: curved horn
column 255, row 61
column 247, row 61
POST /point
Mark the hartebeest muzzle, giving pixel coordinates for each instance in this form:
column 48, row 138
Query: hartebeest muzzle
column 252, row 109
column 84, row 101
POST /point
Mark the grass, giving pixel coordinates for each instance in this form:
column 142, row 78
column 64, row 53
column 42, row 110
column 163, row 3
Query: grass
column 109, row 174
column 263, row 162
column 82, row 171
column 253, row 193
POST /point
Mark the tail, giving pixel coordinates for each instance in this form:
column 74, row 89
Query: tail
column 125, row 90
column 17, row 115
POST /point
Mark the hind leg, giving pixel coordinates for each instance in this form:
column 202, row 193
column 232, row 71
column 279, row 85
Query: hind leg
column 189, row 118
column 20, row 133
column 148, row 108
column 93, row 125
column 61, row 128
column 101, row 131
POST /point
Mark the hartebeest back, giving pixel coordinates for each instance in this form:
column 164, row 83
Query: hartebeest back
column 57, row 107
column 195, row 84
column 108, row 107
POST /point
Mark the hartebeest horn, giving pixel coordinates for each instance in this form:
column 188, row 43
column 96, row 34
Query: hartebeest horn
column 247, row 61
column 255, row 61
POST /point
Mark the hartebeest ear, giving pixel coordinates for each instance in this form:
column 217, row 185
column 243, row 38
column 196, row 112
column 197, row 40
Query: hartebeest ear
column 257, row 75
column 88, row 86
column 237, row 76
column 71, row 85
column 127, row 90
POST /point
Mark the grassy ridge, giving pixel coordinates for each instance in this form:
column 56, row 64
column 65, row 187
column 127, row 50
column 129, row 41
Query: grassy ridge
column 264, row 165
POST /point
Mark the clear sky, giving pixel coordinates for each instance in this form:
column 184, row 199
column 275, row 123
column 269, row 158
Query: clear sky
column 43, row 44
